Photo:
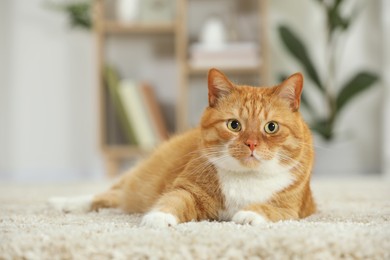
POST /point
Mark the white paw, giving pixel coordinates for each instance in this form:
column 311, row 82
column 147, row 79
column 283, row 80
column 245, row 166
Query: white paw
column 80, row 204
column 248, row 217
column 158, row 219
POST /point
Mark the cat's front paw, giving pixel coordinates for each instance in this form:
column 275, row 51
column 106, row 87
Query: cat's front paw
column 79, row 204
column 158, row 219
column 248, row 217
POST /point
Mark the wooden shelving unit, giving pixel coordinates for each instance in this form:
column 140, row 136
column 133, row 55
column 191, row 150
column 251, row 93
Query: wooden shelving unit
column 104, row 28
column 112, row 27
column 228, row 70
column 178, row 29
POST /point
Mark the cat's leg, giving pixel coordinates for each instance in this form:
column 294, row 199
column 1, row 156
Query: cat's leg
column 258, row 214
column 172, row 208
column 282, row 208
column 108, row 199
column 179, row 206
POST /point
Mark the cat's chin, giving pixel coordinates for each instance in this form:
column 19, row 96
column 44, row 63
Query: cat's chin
column 247, row 164
column 250, row 162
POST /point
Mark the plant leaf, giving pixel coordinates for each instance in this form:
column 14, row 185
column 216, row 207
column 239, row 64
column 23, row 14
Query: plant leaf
column 299, row 51
column 320, row 1
column 354, row 86
column 323, row 128
column 79, row 14
column 337, row 3
column 306, row 103
column 336, row 20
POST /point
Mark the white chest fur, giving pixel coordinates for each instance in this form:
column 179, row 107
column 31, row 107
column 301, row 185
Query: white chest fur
column 241, row 189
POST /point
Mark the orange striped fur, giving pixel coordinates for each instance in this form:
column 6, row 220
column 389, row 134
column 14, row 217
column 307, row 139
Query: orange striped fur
column 215, row 172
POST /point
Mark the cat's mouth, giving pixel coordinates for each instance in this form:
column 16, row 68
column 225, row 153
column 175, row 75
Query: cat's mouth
column 251, row 161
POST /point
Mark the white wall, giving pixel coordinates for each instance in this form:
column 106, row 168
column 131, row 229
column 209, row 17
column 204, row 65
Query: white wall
column 4, row 86
column 51, row 113
column 386, row 82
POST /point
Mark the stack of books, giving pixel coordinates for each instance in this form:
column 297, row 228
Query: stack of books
column 239, row 55
column 137, row 109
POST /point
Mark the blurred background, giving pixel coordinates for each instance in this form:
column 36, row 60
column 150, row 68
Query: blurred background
column 88, row 87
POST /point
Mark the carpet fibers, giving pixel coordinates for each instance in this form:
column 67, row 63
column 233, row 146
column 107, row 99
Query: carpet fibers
column 353, row 222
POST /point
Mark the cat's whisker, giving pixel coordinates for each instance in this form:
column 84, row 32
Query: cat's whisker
column 200, row 154
column 296, row 164
column 206, row 156
column 311, row 145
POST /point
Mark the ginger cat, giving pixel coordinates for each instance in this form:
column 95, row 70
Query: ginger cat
column 249, row 162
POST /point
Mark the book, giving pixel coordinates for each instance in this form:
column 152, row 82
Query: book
column 112, row 83
column 154, row 112
column 137, row 109
column 137, row 114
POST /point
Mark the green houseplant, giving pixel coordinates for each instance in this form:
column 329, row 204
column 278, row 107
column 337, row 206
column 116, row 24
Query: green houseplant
column 78, row 12
column 336, row 25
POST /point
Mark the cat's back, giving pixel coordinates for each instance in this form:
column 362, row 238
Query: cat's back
column 144, row 184
column 170, row 158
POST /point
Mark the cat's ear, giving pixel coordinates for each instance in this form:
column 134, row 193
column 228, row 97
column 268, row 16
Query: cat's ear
column 291, row 90
column 219, row 86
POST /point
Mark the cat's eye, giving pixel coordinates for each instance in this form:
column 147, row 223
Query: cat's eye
column 234, row 125
column 271, row 127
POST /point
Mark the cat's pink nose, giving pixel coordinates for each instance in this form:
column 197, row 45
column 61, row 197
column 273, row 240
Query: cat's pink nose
column 251, row 144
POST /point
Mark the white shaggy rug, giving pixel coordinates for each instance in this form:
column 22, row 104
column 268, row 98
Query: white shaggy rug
column 353, row 222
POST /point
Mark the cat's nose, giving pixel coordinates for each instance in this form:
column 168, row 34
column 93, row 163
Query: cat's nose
column 251, row 143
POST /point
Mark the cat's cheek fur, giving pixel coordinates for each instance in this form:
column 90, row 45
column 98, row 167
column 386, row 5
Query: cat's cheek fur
column 158, row 219
column 248, row 217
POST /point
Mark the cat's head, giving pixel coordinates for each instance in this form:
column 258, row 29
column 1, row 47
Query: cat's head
column 245, row 128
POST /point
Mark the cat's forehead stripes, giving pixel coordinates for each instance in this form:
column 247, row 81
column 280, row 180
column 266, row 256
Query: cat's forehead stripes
column 253, row 103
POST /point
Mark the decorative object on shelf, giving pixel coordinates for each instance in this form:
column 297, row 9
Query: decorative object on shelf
column 214, row 49
column 230, row 55
column 337, row 23
column 213, row 35
column 79, row 12
column 152, row 11
column 127, row 10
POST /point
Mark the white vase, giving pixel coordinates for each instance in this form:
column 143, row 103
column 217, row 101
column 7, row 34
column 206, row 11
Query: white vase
column 337, row 158
column 127, row 10
column 213, row 35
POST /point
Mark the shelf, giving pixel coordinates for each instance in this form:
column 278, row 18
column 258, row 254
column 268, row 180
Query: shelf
column 125, row 151
column 113, row 27
column 228, row 70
